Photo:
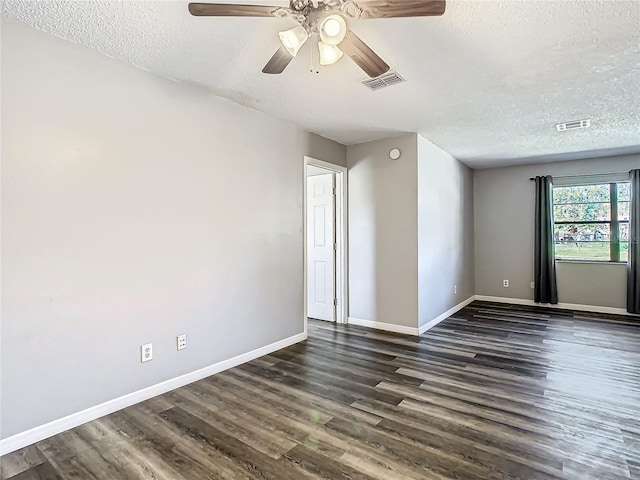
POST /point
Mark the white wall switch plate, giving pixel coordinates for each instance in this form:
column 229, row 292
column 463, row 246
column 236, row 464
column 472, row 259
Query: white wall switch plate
column 533, row 285
column 505, row 283
column 455, row 289
column 181, row 341
column 146, row 352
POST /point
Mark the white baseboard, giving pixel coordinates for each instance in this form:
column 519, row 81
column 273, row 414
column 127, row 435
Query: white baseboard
column 440, row 318
column 561, row 306
column 36, row 434
column 515, row 301
column 389, row 327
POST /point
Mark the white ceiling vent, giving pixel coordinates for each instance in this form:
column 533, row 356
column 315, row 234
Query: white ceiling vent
column 383, row 81
column 575, row 125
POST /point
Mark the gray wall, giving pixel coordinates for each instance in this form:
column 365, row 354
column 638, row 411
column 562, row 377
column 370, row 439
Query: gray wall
column 135, row 209
column 321, row 148
column 504, row 202
column 445, row 231
column 383, row 232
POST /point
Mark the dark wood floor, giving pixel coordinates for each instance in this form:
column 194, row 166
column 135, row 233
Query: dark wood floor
column 496, row 391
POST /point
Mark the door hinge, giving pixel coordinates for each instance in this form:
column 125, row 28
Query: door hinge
column 334, row 191
column 335, row 247
column 335, row 302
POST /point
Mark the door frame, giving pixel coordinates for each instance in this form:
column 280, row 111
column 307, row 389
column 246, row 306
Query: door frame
column 342, row 284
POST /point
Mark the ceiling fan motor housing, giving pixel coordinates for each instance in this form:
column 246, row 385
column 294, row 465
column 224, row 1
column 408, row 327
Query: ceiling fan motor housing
column 302, row 5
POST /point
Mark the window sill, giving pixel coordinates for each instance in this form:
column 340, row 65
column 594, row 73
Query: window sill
column 591, row 262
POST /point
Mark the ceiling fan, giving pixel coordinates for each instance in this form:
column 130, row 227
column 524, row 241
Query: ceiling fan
column 330, row 20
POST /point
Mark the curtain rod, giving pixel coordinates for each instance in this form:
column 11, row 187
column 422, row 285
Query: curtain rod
column 588, row 175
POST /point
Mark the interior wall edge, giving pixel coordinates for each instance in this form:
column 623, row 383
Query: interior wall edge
column 442, row 317
column 391, row 327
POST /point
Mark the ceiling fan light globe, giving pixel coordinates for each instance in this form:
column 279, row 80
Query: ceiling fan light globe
column 329, row 54
column 294, row 39
column 333, row 29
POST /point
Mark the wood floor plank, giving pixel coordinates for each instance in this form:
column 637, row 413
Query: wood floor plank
column 260, row 465
column 496, row 391
column 164, row 446
column 311, row 460
column 20, row 460
column 465, row 439
column 319, row 408
column 236, row 421
column 42, row 471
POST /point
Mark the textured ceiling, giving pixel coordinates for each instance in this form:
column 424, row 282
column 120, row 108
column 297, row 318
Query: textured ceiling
column 487, row 81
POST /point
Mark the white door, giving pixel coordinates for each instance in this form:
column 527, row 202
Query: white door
column 321, row 270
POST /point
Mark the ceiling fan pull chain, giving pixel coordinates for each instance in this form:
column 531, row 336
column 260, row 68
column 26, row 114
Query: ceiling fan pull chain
column 311, row 67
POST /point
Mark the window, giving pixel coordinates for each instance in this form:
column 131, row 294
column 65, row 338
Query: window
column 591, row 222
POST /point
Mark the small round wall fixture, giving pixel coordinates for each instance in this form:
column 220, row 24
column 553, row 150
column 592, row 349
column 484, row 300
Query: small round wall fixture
column 394, row 154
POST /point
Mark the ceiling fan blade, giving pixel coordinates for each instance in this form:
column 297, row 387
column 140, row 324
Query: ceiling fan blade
column 401, row 8
column 361, row 53
column 278, row 62
column 230, row 10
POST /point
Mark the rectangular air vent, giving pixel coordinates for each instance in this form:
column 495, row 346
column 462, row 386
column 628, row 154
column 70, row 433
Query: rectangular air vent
column 383, row 81
column 575, row 125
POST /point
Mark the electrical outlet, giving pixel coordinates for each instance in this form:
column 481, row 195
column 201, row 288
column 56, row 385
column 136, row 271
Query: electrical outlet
column 181, row 341
column 455, row 289
column 146, row 352
column 505, row 283
column 533, row 285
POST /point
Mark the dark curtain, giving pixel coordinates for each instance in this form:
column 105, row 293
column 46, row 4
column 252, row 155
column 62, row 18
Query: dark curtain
column 633, row 262
column 546, row 290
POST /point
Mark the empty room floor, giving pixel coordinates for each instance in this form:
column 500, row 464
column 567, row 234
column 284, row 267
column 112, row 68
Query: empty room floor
column 495, row 391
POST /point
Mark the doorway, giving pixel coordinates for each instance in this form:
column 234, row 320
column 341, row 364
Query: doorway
column 325, row 242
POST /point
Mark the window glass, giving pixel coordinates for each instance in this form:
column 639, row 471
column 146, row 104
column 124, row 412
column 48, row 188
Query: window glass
column 624, row 191
column 623, row 210
column 577, row 212
column 582, row 194
column 582, row 241
column 591, row 222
